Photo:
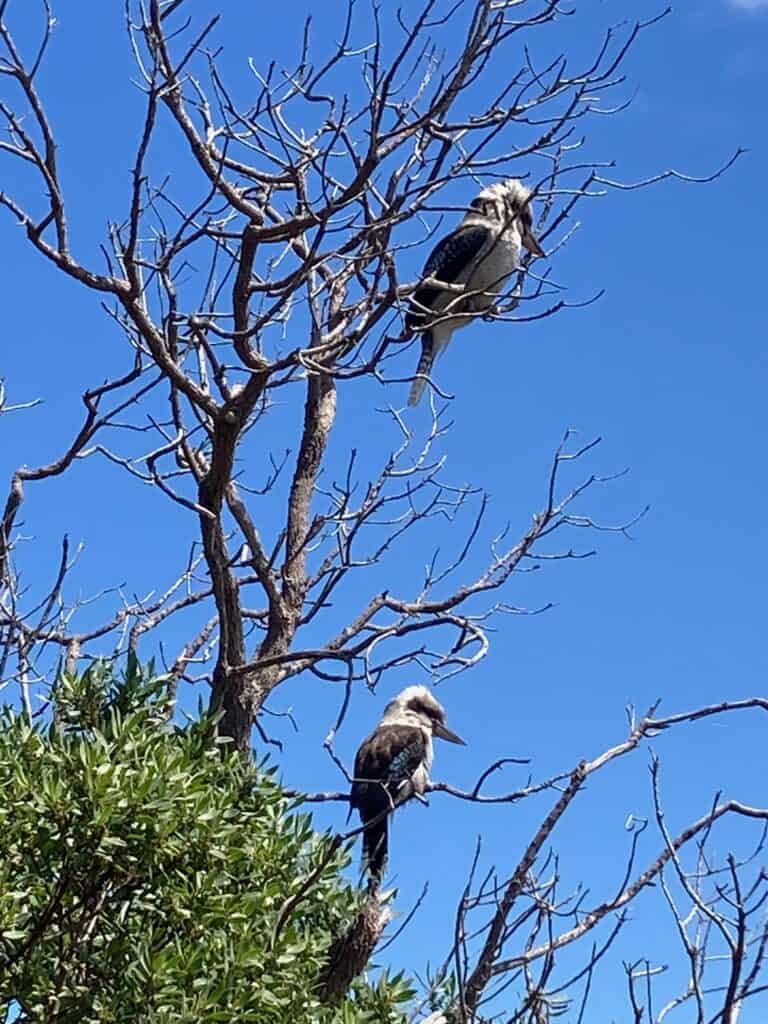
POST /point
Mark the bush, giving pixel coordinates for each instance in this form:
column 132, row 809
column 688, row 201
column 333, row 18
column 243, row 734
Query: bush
column 143, row 868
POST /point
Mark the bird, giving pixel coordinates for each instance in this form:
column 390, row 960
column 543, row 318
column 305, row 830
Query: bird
column 479, row 254
column 392, row 765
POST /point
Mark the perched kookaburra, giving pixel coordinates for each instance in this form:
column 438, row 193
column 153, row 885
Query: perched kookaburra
column 480, row 255
column 393, row 765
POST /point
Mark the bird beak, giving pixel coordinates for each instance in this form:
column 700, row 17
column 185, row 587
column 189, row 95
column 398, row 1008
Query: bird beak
column 531, row 243
column 446, row 734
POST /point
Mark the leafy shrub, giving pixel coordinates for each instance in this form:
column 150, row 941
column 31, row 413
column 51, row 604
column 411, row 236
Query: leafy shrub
column 143, row 869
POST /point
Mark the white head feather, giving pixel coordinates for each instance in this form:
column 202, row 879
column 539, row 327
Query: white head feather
column 507, row 203
column 503, row 201
column 512, row 191
column 413, row 702
column 415, row 705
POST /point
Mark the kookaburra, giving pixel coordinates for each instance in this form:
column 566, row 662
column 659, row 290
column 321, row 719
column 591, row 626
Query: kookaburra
column 393, row 765
column 479, row 255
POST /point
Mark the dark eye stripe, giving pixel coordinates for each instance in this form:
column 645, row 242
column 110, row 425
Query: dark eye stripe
column 424, row 709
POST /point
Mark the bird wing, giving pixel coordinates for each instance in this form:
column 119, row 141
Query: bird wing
column 446, row 262
column 388, row 758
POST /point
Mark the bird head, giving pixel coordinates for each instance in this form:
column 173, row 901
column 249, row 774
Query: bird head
column 416, row 706
column 509, row 202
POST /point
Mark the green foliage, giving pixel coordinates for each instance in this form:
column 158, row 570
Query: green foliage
column 143, row 868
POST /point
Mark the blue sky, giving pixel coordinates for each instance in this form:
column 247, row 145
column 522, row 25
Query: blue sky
column 669, row 367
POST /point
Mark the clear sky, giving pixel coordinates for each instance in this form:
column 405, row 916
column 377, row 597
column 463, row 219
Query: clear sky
column 669, row 367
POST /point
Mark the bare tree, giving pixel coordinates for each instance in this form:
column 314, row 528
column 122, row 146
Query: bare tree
column 307, row 196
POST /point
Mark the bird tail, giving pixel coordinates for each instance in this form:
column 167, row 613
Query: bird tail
column 422, row 370
column 376, row 847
